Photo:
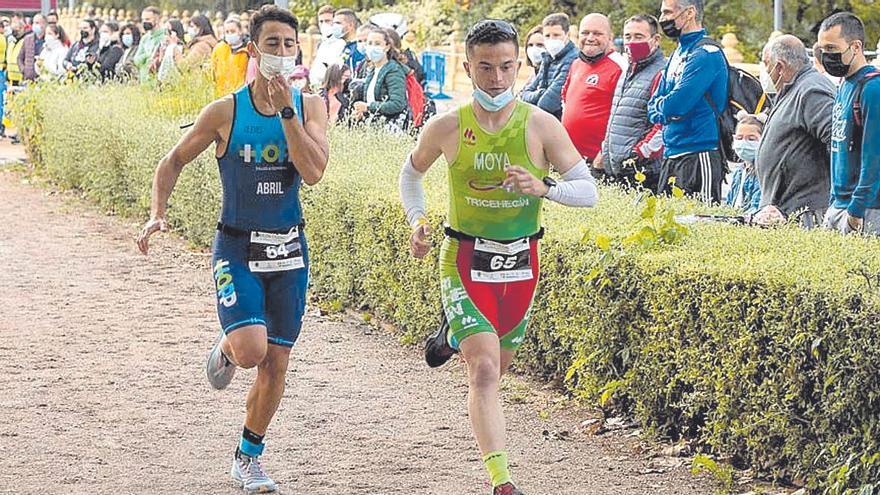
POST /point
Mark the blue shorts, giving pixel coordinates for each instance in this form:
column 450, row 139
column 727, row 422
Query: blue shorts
column 250, row 295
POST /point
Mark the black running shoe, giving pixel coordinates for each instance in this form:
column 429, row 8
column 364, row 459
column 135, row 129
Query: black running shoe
column 437, row 348
column 506, row 489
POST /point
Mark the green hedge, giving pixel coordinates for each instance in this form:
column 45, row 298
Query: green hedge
column 763, row 345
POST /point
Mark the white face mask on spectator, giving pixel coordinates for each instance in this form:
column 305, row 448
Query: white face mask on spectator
column 554, row 47
column 535, row 54
column 326, row 30
column 767, row 82
column 103, row 39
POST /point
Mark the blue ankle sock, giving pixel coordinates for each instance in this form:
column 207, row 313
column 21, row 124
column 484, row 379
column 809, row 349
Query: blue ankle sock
column 251, row 443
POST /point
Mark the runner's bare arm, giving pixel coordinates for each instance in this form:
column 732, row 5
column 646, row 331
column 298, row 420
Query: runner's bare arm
column 578, row 188
column 206, row 130
column 307, row 142
column 559, row 151
column 430, row 144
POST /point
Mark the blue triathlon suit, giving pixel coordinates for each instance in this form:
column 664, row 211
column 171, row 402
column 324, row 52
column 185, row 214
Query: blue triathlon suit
column 260, row 258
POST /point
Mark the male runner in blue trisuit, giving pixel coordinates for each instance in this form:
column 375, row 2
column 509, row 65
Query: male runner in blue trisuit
column 269, row 139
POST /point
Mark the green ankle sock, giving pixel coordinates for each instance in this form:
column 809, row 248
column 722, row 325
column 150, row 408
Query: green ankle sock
column 496, row 464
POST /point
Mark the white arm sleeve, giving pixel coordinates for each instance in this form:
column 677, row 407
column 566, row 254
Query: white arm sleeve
column 577, row 188
column 412, row 194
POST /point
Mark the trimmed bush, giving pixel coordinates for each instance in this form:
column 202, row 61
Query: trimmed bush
column 763, row 345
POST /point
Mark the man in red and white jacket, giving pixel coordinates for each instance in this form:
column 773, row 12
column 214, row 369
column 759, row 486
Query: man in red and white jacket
column 589, row 89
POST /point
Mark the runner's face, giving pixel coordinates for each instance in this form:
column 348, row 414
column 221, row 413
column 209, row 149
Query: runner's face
column 493, row 68
column 277, row 38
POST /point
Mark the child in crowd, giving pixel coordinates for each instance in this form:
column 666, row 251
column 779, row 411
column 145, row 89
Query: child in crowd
column 745, row 191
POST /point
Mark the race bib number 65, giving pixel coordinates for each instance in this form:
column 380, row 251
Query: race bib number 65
column 497, row 262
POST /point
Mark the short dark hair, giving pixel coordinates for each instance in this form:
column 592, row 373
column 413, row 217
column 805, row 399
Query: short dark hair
column 491, row 32
column 272, row 13
column 352, row 17
column 696, row 4
column 851, row 27
column 650, row 20
column 559, row 19
column 153, row 10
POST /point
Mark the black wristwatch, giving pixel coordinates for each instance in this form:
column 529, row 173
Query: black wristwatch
column 287, row 113
column 550, row 182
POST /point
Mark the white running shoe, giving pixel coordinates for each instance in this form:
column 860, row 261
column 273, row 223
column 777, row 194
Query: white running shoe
column 220, row 371
column 248, row 471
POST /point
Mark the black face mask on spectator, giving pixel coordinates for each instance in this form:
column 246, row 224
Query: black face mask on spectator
column 83, row 35
column 833, row 63
column 148, row 26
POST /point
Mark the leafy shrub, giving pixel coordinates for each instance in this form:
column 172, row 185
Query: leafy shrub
column 761, row 344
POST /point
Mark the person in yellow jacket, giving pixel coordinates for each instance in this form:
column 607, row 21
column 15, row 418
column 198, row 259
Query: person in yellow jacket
column 14, row 44
column 229, row 60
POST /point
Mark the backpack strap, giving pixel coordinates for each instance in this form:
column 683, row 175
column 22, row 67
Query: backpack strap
column 858, row 123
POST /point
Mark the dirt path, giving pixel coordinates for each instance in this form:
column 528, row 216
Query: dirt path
column 102, row 388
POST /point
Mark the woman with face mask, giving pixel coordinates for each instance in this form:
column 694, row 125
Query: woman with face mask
column 383, row 95
column 745, row 190
column 51, row 58
column 129, row 39
column 109, row 52
column 170, row 52
column 535, row 49
column 335, row 92
column 84, row 49
column 229, row 61
column 202, row 41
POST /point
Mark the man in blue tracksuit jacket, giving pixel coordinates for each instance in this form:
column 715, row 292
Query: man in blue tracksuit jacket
column 855, row 152
column 690, row 125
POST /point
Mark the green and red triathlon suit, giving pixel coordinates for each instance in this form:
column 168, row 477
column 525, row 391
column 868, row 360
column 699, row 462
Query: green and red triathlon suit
column 489, row 259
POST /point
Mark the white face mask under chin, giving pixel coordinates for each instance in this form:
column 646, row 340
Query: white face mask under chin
column 273, row 65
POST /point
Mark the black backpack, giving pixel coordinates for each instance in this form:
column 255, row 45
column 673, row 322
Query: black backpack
column 855, row 140
column 744, row 92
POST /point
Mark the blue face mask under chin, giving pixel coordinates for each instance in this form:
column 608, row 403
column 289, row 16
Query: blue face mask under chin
column 493, row 104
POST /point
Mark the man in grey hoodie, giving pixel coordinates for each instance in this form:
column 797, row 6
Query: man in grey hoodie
column 793, row 162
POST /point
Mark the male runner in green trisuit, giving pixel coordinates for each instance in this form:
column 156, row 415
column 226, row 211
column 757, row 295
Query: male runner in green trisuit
column 499, row 152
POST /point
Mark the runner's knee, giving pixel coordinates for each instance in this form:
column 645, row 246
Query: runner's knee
column 249, row 353
column 484, row 372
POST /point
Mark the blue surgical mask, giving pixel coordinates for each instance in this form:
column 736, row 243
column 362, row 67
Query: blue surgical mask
column 375, row 53
column 493, row 104
column 747, row 150
column 127, row 40
column 362, row 48
column 37, row 29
